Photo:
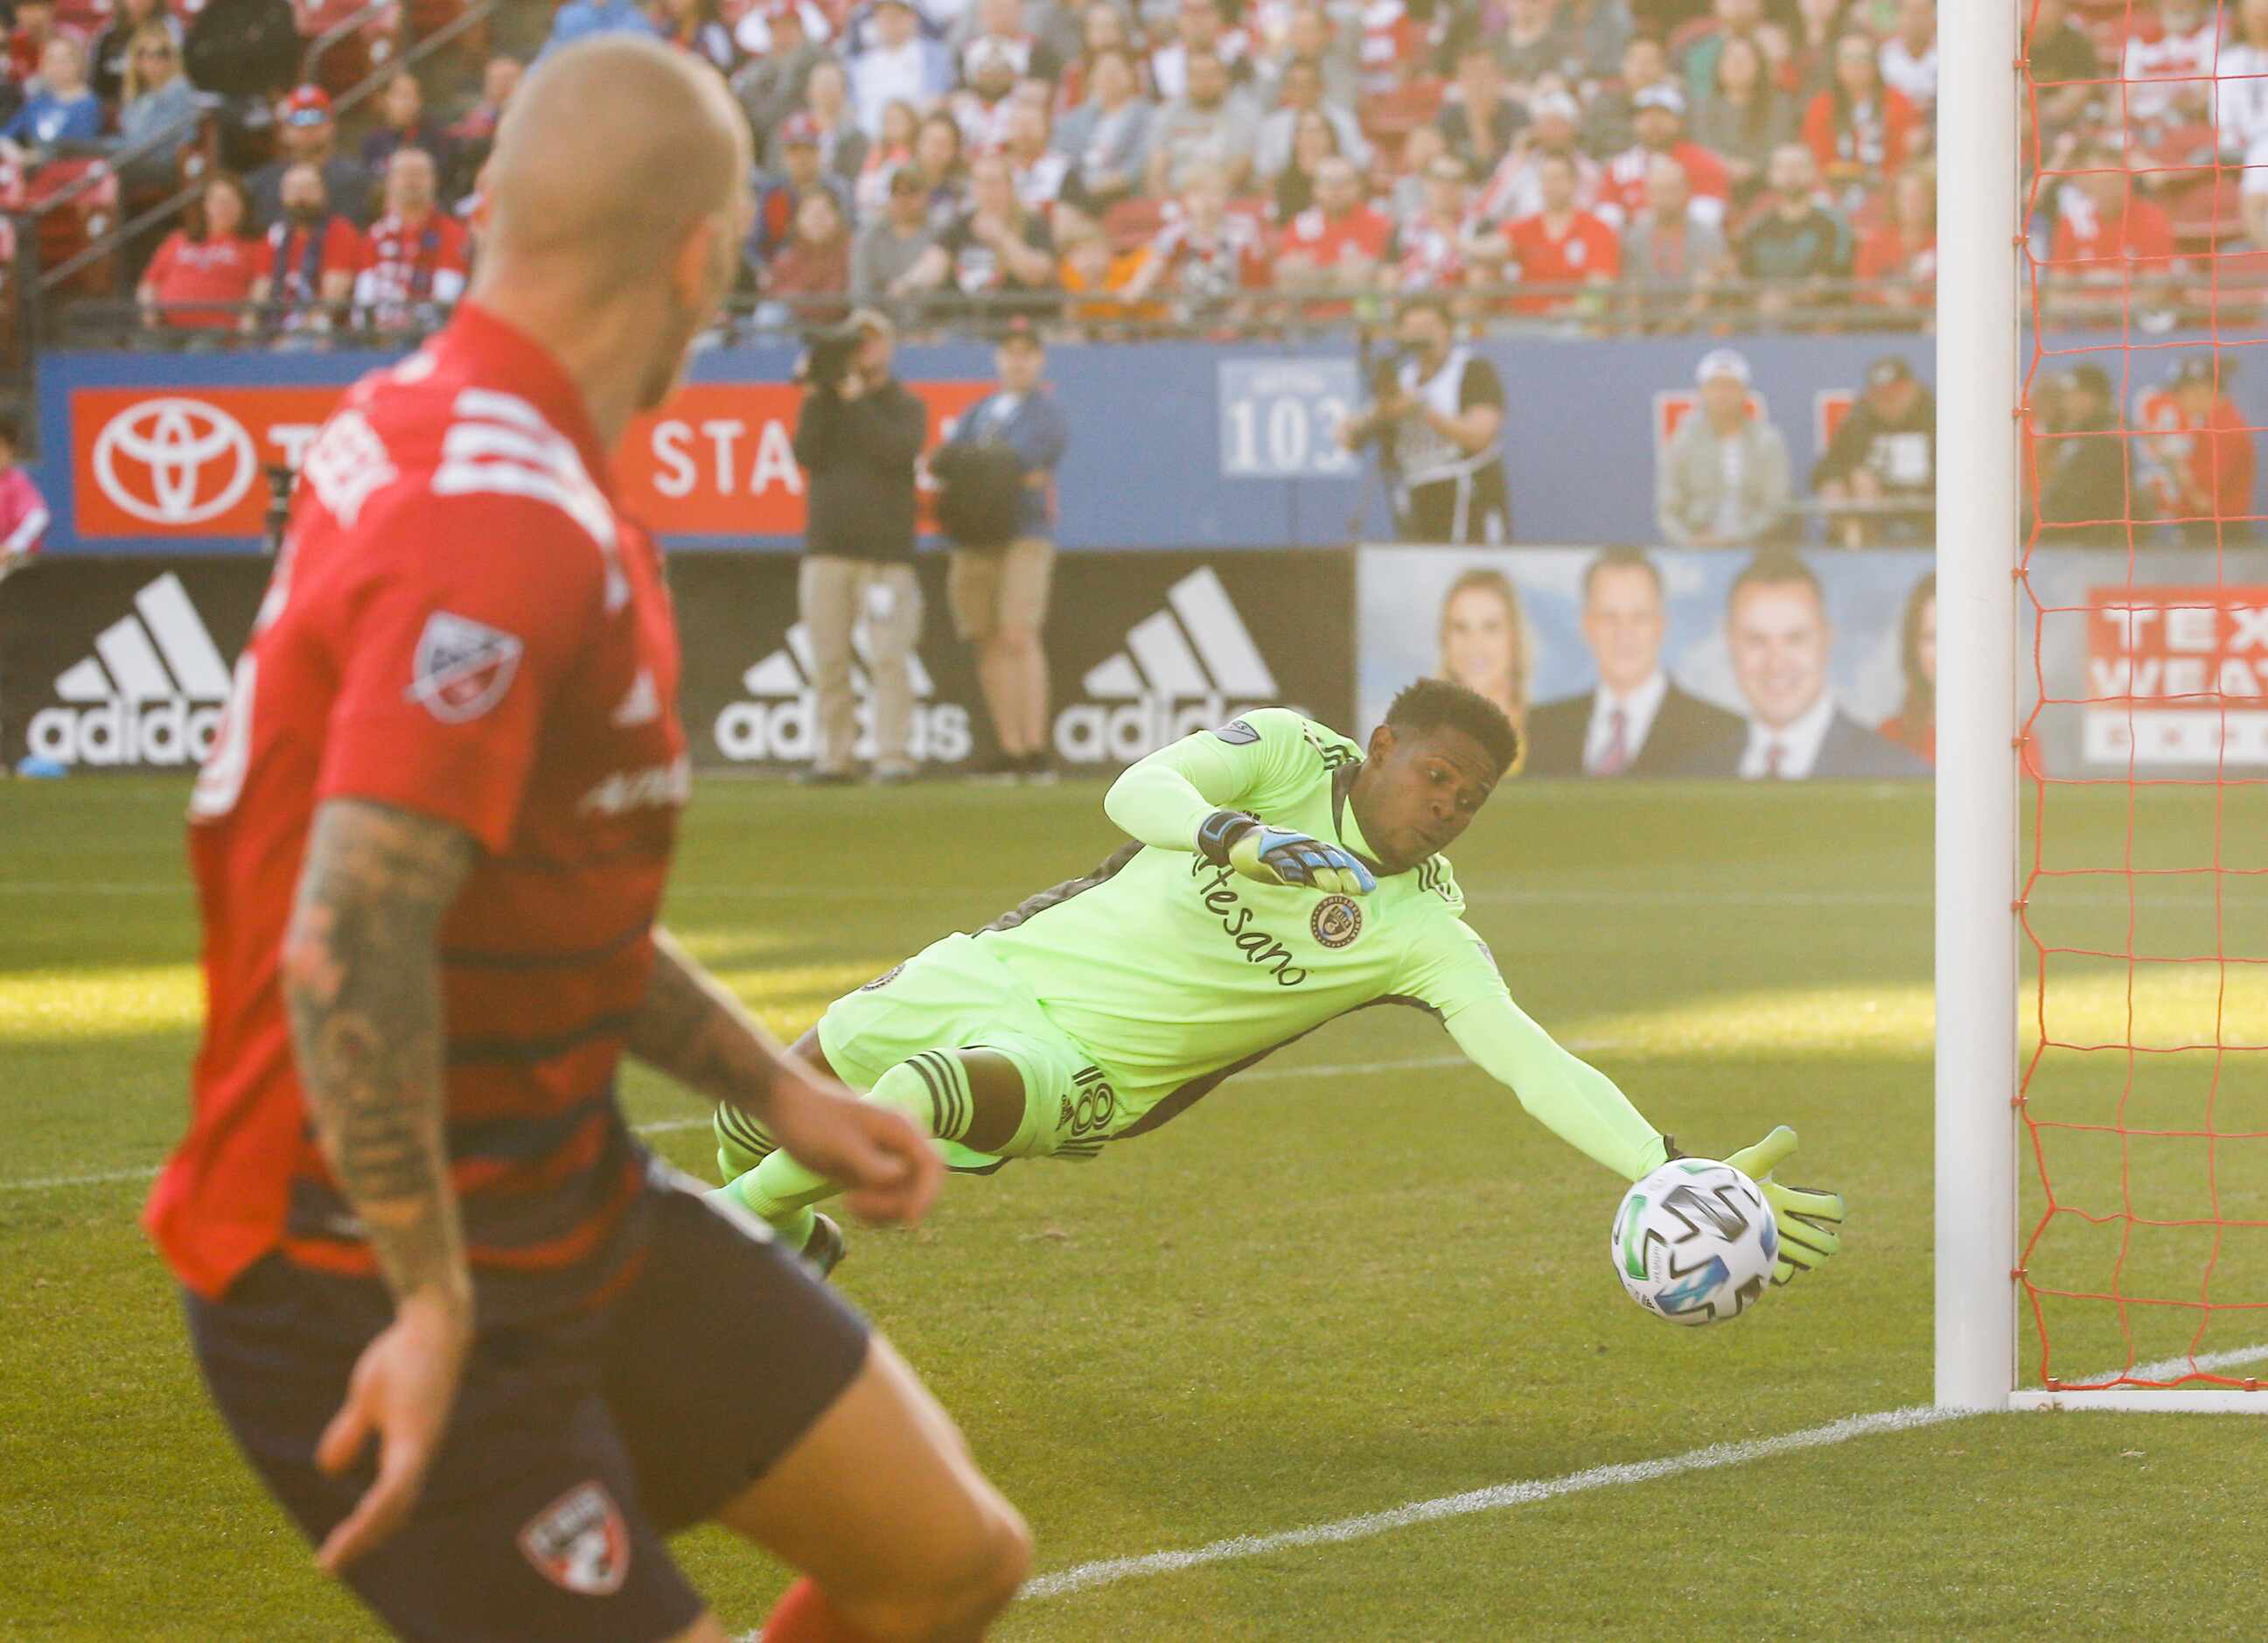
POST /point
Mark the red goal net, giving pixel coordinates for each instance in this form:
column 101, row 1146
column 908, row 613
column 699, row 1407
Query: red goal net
column 2143, row 1232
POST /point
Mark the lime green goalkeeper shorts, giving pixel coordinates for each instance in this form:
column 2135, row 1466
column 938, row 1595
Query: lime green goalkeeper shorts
column 954, row 995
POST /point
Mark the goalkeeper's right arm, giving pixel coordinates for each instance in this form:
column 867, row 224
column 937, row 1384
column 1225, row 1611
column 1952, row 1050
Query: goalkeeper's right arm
column 1166, row 798
column 1186, row 797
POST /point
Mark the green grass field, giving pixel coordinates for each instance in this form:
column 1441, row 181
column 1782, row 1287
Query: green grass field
column 1358, row 1278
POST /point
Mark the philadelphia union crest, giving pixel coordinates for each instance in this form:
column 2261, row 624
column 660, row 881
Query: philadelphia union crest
column 1336, row 922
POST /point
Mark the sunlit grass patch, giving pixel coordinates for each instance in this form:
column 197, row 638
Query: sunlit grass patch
column 43, row 1005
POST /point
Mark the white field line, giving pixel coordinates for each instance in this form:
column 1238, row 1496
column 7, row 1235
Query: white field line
column 1085, row 1576
column 667, row 1126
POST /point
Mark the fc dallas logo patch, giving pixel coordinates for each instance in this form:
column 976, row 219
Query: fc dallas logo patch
column 463, row 668
column 580, row 1543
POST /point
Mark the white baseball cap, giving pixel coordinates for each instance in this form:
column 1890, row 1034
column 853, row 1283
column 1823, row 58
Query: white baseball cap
column 1722, row 362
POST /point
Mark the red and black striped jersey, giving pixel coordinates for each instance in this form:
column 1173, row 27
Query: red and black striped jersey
column 461, row 625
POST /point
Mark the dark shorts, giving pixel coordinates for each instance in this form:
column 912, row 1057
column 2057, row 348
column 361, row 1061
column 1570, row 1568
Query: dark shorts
column 573, row 1449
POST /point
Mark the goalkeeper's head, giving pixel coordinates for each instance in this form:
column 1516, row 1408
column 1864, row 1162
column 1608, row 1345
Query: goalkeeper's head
column 1430, row 767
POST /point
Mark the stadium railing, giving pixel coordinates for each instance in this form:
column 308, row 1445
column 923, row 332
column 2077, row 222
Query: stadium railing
column 1539, row 309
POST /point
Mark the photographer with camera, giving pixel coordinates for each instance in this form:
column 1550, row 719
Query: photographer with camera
column 1436, row 415
column 858, row 435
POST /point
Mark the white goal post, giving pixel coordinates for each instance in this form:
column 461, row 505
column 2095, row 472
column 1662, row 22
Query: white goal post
column 1977, row 338
column 1980, row 336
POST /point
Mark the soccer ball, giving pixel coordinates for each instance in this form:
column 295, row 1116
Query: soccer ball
column 1695, row 1241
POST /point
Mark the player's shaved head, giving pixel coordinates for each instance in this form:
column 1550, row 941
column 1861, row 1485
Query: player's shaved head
column 616, row 201
column 613, row 149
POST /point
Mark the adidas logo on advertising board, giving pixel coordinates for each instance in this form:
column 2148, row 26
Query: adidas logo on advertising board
column 1187, row 668
column 151, row 693
column 782, row 724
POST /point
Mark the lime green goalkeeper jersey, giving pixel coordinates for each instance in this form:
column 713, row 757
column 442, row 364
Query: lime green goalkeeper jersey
column 1174, row 972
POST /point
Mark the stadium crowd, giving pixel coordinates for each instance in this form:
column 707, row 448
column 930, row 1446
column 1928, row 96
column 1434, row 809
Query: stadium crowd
column 1674, row 163
column 1665, row 164
column 1117, row 167
column 1122, row 163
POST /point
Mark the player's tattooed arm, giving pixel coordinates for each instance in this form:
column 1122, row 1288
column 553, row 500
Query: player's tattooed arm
column 362, row 980
column 689, row 1027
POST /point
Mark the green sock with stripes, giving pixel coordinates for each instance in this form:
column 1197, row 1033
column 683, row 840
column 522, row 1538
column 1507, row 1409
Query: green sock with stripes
column 741, row 1142
column 932, row 1090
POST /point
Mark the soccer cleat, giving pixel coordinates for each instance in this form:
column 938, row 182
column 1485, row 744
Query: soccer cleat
column 999, row 770
column 1036, row 769
column 816, row 778
column 896, row 775
column 824, row 1249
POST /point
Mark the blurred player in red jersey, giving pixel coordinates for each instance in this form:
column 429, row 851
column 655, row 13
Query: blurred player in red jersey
column 484, row 1349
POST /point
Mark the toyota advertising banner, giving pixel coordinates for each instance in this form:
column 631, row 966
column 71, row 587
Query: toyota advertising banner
column 186, row 469
column 1176, row 445
column 123, row 662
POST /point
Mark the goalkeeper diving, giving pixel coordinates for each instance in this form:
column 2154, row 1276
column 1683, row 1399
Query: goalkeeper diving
column 1278, row 876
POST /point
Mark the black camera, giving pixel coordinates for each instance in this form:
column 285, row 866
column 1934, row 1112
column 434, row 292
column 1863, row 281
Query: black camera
column 828, row 354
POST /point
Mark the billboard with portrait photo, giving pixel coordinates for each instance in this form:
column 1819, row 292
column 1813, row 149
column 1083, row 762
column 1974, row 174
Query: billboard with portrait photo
column 1536, row 628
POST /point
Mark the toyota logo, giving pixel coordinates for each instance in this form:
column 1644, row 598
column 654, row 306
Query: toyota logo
column 183, row 462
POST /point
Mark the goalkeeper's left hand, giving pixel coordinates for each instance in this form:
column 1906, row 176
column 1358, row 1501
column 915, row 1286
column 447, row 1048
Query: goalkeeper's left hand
column 1810, row 1220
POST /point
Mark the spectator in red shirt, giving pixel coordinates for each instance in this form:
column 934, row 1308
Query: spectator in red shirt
column 415, row 259
column 312, row 254
column 28, row 42
column 1340, row 242
column 1561, row 245
column 1435, row 246
column 804, row 285
column 1859, row 128
column 1904, row 249
column 1659, row 118
column 1389, row 47
column 1206, row 257
column 203, row 274
column 2207, row 461
column 2111, row 240
column 1554, row 121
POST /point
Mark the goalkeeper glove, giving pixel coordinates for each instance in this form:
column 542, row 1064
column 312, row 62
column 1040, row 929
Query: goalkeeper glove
column 1275, row 855
column 1810, row 1221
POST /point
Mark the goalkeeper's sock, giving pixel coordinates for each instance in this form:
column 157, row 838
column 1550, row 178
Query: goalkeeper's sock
column 741, row 1142
column 930, row 1090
